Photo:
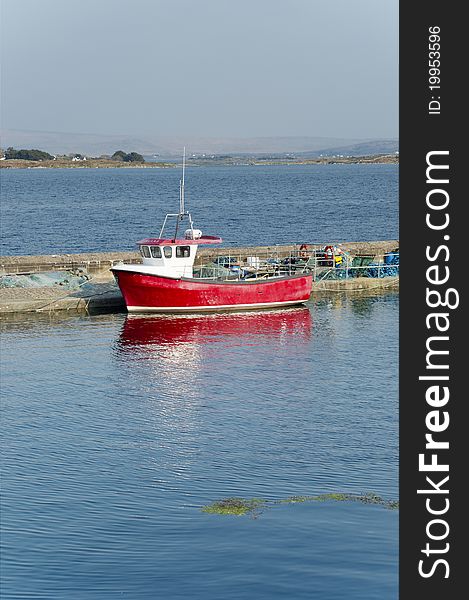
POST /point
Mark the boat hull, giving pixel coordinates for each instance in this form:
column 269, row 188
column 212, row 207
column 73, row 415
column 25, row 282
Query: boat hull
column 155, row 293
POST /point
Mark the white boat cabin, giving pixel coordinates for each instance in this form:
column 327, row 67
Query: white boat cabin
column 173, row 258
column 169, row 257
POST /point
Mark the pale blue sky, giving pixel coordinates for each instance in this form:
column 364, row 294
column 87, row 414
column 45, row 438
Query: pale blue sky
column 214, row 68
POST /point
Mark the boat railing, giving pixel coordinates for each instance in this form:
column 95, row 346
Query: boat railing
column 323, row 265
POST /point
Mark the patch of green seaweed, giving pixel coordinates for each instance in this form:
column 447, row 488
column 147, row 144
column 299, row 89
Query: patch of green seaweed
column 254, row 506
column 334, row 496
column 295, row 499
column 235, row 506
column 366, row 498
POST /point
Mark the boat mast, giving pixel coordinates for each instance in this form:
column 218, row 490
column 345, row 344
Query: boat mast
column 182, row 207
column 181, row 184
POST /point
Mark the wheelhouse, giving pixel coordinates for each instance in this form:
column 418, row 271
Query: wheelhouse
column 172, row 257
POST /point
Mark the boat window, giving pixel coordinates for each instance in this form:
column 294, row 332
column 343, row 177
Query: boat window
column 155, row 251
column 145, row 251
column 168, row 251
column 183, row 251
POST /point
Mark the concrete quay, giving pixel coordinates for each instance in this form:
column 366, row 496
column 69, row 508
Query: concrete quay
column 101, row 262
column 97, row 297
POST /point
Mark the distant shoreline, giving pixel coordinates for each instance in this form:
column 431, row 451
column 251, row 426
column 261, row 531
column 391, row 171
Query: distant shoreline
column 197, row 162
column 90, row 163
column 323, row 160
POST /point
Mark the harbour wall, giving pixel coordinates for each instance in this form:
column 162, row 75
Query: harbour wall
column 101, row 262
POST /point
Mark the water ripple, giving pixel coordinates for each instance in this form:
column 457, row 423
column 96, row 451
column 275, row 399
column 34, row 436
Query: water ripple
column 117, row 429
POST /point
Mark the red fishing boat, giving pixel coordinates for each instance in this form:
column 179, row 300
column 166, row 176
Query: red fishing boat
column 167, row 281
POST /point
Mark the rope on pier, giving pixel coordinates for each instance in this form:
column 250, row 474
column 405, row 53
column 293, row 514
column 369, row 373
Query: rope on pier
column 70, row 294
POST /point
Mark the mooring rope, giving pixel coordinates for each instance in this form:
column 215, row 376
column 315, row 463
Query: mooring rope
column 58, row 298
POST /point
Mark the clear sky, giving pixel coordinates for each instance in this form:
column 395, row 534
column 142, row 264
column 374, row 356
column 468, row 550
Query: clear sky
column 239, row 68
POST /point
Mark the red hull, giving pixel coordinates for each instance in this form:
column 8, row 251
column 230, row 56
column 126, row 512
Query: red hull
column 154, row 293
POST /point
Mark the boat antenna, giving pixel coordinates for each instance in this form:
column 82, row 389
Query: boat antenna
column 182, row 208
column 181, row 184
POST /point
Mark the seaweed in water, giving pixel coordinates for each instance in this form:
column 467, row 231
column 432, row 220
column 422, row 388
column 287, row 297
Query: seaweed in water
column 236, row 506
column 254, row 506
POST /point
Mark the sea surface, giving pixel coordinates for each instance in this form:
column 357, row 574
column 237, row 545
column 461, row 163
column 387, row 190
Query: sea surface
column 118, row 429
column 54, row 211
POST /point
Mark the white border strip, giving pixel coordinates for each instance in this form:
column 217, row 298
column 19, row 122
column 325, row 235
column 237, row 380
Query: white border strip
column 174, row 309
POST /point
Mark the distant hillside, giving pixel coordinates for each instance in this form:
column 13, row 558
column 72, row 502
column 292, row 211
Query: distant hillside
column 166, row 147
column 367, row 148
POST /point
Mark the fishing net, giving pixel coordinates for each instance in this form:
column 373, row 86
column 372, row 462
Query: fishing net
column 211, row 271
column 67, row 280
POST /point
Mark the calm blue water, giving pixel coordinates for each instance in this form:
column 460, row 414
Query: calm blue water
column 52, row 211
column 117, row 429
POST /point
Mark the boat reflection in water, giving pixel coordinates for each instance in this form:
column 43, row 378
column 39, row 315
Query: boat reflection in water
column 239, row 328
column 176, row 364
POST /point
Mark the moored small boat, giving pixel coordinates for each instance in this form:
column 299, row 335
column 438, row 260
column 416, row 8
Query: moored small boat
column 166, row 281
